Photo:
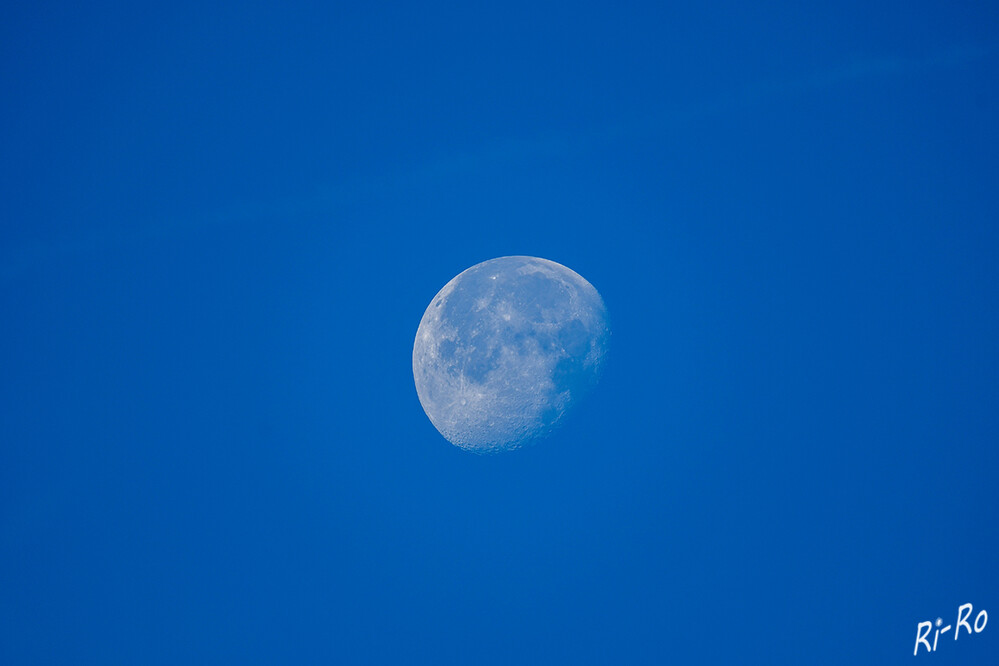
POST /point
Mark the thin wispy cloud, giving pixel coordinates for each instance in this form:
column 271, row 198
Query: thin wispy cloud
column 39, row 254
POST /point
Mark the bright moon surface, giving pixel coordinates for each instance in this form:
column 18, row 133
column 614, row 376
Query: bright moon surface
column 506, row 349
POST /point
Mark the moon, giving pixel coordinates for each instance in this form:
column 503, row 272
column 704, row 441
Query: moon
column 506, row 349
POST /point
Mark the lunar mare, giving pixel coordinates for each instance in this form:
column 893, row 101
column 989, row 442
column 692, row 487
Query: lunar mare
column 505, row 349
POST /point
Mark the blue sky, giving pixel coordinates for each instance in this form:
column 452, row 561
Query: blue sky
column 222, row 223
